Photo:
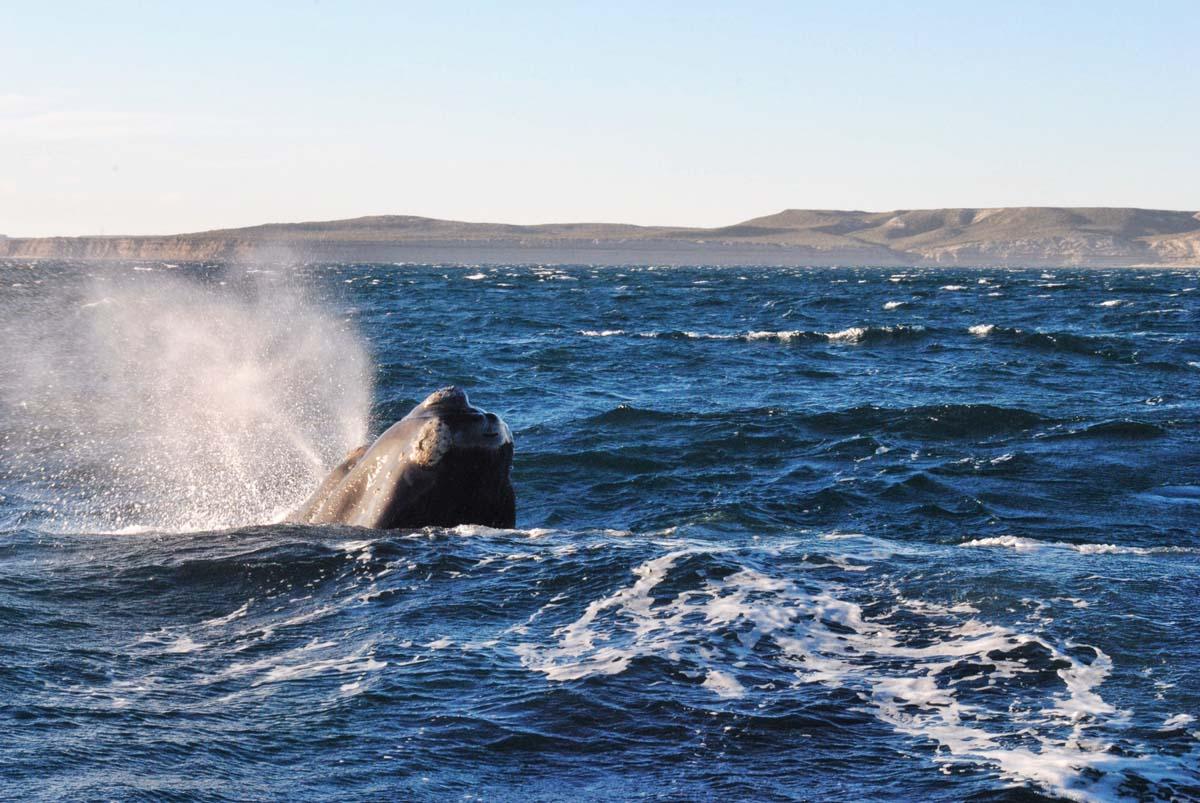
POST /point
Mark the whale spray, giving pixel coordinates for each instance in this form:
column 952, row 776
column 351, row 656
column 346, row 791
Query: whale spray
column 154, row 400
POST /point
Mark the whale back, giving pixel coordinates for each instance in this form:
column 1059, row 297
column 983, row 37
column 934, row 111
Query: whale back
column 445, row 463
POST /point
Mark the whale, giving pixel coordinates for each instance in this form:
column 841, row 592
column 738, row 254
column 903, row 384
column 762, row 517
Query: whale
column 444, row 464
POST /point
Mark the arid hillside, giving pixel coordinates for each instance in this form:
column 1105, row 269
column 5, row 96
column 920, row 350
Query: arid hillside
column 1029, row 236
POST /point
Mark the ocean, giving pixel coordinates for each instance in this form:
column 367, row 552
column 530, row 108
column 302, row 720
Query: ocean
column 849, row 534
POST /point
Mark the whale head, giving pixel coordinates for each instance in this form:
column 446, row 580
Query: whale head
column 449, row 424
column 445, row 463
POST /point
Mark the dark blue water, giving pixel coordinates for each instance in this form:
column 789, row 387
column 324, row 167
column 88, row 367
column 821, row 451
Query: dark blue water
column 784, row 534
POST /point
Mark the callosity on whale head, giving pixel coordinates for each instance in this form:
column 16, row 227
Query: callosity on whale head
column 445, row 463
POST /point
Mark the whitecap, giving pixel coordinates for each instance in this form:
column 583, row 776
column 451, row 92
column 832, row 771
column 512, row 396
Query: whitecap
column 781, row 335
column 1021, row 544
column 852, row 335
column 1177, row 721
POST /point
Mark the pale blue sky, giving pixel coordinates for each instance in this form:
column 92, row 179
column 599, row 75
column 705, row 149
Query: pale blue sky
column 125, row 117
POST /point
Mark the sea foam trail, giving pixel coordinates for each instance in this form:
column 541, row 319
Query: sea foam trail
column 988, row 695
column 163, row 402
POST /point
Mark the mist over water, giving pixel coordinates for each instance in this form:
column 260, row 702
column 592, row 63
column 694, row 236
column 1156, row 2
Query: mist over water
column 143, row 399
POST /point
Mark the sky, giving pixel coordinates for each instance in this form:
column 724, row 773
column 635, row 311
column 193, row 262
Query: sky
column 154, row 118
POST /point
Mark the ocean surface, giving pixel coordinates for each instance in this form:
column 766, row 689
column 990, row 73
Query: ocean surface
column 855, row 534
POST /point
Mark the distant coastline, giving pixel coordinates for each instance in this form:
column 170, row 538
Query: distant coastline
column 997, row 237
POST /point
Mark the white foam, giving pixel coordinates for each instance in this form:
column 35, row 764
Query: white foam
column 339, row 665
column 782, row 335
column 354, row 546
column 1112, row 302
column 894, row 304
column 170, row 643
column 307, row 661
column 1177, row 721
column 723, row 684
column 182, row 645
column 1021, row 544
column 982, row 329
column 856, row 334
column 229, row 617
column 840, row 536
column 852, row 335
column 1054, row 738
column 474, row 277
column 954, row 287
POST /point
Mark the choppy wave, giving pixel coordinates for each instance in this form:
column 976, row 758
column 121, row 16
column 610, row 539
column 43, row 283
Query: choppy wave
column 1103, row 346
column 1125, row 428
column 945, row 421
column 770, row 548
column 931, row 421
column 986, row 694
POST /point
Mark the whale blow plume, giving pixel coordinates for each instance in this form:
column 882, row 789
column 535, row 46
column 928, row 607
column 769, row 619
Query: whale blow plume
column 153, row 399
